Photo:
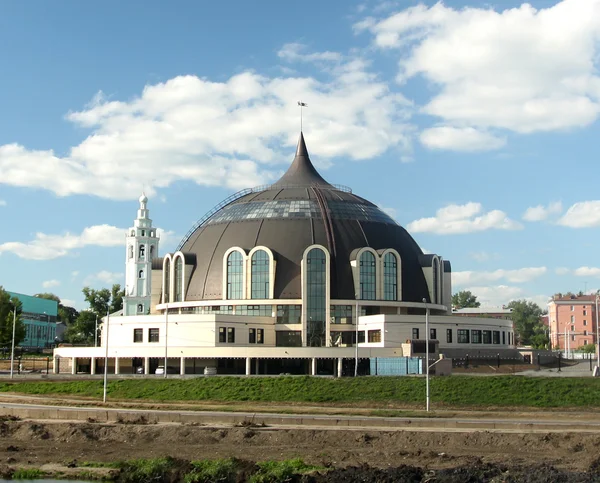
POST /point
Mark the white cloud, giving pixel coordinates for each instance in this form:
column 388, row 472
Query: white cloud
column 520, row 275
column 2, row 203
column 50, row 283
column 541, row 212
column 483, row 256
column 496, row 295
column 168, row 239
column 229, row 133
column 47, row 247
column 294, row 52
column 460, row 139
column 104, row 277
column 454, row 219
column 587, row 272
column 519, row 69
column 582, row 215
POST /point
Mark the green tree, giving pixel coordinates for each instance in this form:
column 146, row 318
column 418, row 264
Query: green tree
column 526, row 318
column 7, row 307
column 540, row 339
column 102, row 300
column 465, row 299
column 66, row 314
column 589, row 348
column 82, row 330
column 48, row 296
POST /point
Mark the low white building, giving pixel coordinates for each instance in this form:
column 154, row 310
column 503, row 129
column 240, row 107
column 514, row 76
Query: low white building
column 274, row 280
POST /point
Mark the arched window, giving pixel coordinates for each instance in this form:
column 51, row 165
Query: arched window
column 390, row 277
column 142, row 251
column 260, row 275
column 167, row 287
column 436, row 274
column 235, row 275
column 141, row 274
column 151, row 252
column 367, row 276
column 316, row 297
column 140, row 308
column 178, row 295
column 130, row 251
column 132, row 232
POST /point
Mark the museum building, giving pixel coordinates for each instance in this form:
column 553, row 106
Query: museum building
column 282, row 278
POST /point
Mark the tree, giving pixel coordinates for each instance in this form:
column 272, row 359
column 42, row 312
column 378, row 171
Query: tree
column 526, row 318
column 82, row 330
column 104, row 299
column 7, row 307
column 66, row 314
column 464, row 299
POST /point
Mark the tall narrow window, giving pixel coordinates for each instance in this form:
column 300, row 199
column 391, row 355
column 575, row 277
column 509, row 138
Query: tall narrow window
column 178, row 280
column 167, row 287
column 142, row 252
column 367, row 276
column 235, row 276
column 436, row 273
column 390, row 277
column 260, row 275
column 141, row 274
column 316, row 296
column 130, row 251
column 151, row 252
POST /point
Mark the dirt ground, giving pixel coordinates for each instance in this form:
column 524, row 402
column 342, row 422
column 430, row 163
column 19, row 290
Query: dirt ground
column 399, row 455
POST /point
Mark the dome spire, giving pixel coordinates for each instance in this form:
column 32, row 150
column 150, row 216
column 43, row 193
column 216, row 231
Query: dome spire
column 302, row 172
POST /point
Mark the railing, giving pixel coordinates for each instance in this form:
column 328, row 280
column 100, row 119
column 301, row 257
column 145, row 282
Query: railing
column 242, row 193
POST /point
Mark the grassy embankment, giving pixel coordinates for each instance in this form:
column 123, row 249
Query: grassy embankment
column 464, row 391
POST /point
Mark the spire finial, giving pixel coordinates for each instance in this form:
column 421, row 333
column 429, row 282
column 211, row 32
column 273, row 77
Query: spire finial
column 301, row 104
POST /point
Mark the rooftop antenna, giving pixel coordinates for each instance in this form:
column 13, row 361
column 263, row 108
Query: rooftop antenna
column 301, row 104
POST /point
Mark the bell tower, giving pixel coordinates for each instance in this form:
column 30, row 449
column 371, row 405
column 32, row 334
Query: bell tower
column 141, row 248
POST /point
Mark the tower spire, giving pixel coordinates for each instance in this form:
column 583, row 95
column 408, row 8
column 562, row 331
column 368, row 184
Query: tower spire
column 301, row 104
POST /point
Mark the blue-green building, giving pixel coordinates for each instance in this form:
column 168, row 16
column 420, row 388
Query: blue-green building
column 39, row 316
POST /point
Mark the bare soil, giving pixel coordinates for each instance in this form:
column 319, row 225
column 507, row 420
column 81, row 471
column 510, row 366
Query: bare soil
column 356, row 455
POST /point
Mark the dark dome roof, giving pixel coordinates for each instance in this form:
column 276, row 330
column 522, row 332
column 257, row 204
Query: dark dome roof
column 299, row 210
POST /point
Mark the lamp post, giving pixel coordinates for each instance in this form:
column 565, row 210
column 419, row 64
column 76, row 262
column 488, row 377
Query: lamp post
column 426, row 354
column 96, row 332
column 166, row 334
column 597, row 334
column 106, row 355
column 12, row 349
column 356, row 344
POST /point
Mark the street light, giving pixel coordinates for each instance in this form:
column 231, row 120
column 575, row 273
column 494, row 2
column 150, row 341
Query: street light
column 12, row 350
column 356, row 344
column 96, row 332
column 426, row 353
column 166, row 334
column 597, row 334
column 106, row 356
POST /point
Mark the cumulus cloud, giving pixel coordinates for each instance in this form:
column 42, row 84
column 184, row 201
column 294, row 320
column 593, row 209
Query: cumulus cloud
column 47, row 247
column 230, row 133
column 520, row 69
column 50, row 283
column 460, row 139
column 584, row 214
column 454, row 219
column 104, row 277
column 496, row 295
column 587, row 272
column 520, row 275
column 541, row 212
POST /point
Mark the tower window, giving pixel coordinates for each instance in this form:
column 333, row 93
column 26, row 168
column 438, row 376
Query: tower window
column 151, row 252
column 390, row 277
column 130, row 251
column 142, row 251
column 141, row 274
column 235, row 273
column 143, row 232
column 140, row 308
column 260, row 275
column 367, row 276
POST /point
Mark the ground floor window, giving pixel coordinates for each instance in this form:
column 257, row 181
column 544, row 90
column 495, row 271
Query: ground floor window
column 375, row 335
column 487, row 336
column 433, row 334
column 361, row 337
column 230, row 335
column 415, row 333
column 463, row 336
column 153, row 335
column 476, row 337
column 449, row 336
column 288, row 338
column 343, row 338
column 256, row 336
column 289, row 314
column 496, row 337
column 138, row 335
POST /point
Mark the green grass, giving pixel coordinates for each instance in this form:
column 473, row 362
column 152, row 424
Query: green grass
column 27, row 474
column 280, row 471
column 137, row 471
column 208, row 471
column 463, row 391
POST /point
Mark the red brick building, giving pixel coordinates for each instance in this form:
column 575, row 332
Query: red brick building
column 572, row 319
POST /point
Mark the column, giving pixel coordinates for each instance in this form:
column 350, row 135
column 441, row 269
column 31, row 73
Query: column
column 340, row 366
column 182, row 366
column 248, row 365
column 116, row 365
column 146, row 365
column 56, row 365
column 73, row 365
column 313, row 368
column 92, row 365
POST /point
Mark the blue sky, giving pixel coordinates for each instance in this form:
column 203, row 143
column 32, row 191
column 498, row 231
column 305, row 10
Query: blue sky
column 474, row 124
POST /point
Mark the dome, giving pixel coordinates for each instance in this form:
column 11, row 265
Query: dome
column 299, row 210
column 143, row 198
